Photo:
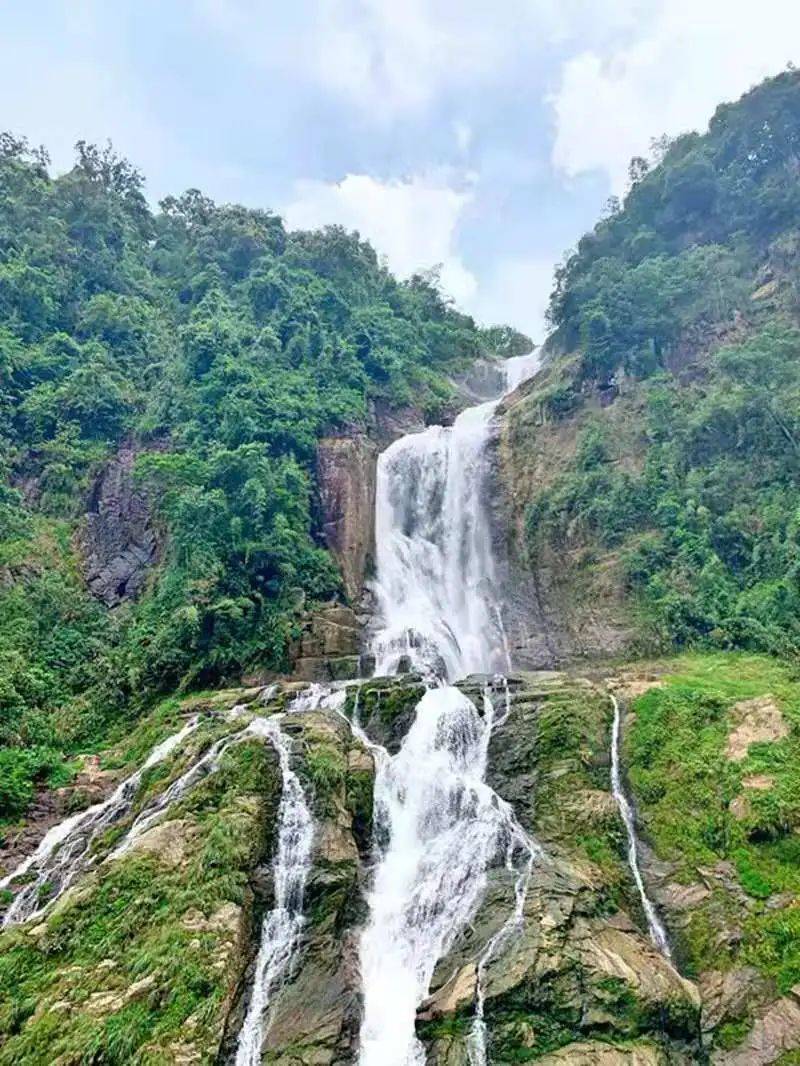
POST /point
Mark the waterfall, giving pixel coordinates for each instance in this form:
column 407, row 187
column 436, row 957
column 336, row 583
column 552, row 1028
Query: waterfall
column 656, row 930
column 282, row 924
column 476, row 1046
column 65, row 851
column 435, row 586
column 441, row 824
column 205, row 765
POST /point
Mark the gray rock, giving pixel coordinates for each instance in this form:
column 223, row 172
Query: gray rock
column 119, row 541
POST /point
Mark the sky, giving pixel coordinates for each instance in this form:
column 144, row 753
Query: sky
column 481, row 137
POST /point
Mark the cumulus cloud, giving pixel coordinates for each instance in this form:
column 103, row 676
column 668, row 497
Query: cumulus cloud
column 667, row 76
column 412, row 221
column 516, row 290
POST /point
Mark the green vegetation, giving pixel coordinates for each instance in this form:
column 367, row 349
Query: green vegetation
column 140, row 960
column 701, row 809
column 220, row 347
column 680, row 313
column 692, row 232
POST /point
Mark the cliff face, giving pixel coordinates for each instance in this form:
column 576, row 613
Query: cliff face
column 569, row 603
column 346, row 479
column 153, row 951
column 119, row 540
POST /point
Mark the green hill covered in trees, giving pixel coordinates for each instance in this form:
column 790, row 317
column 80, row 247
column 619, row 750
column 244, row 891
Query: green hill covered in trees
column 671, row 398
column 221, row 347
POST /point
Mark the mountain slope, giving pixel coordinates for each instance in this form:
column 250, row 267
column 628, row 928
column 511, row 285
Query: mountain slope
column 652, row 467
column 164, row 381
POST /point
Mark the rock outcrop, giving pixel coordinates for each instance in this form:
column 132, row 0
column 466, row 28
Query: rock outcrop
column 328, row 649
column 569, row 604
column 579, row 973
column 346, row 478
column 119, row 541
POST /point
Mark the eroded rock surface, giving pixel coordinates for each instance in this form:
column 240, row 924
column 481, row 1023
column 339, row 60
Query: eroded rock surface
column 346, row 477
column 119, row 541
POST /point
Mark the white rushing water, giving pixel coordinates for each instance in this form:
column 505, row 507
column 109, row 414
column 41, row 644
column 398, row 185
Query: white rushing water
column 655, row 928
column 208, row 763
column 442, row 824
column 282, row 924
column 436, row 584
column 65, row 851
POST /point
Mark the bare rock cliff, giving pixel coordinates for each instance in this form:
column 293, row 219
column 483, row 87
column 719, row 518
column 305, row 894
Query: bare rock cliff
column 119, row 541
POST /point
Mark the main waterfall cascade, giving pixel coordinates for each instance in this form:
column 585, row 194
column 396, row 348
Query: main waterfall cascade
column 435, row 575
column 439, row 827
column 437, row 614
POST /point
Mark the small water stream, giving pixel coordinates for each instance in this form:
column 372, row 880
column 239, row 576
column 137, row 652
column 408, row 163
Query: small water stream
column 655, row 928
column 283, row 923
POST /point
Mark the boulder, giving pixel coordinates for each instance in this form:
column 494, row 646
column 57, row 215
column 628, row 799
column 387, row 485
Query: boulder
column 775, row 1032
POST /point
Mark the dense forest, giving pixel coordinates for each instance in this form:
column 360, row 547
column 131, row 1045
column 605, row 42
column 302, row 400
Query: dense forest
column 675, row 366
column 220, row 347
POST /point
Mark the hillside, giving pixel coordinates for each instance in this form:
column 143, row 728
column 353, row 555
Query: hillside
column 585, row 852
column 165, row 379
column 652, row 468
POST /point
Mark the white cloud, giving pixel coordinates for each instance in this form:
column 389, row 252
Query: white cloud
column 413, row 221
column 462, row 132
column 516, row 291
column 391, row 58
column 683, row 60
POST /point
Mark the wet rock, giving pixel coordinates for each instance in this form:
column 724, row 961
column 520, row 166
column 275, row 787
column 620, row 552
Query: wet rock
column 626, row 956
column 456, row 994
column 346, row 469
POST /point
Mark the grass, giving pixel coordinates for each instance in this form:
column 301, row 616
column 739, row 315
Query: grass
column 130, row 922
column 684, row 786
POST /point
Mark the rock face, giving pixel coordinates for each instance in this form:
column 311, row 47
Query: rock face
column 567, row 604
column 579, row 973
column 346, row 477
column 119, row 541
column 757, row 721
column 329, row 647
column 316, row 1015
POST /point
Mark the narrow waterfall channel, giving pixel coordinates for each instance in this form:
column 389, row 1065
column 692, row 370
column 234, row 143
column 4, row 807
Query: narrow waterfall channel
column 658, row 933
column 437, row 614
column 282, row 924
column 65, row 850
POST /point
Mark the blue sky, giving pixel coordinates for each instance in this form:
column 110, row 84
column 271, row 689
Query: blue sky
column 485, row 137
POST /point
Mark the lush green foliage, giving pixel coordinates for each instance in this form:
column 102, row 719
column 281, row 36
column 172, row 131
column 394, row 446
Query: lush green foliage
column 697, row 812
column 143, row 959
column 222, row 347
column 708, row 523
column 693, row 229
column 698, row 500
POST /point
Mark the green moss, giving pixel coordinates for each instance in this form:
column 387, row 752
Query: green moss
column 359, row 799
column 684, row 787
column 134, row 913
column 731, row 1034
column 325, row 768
